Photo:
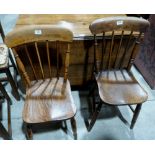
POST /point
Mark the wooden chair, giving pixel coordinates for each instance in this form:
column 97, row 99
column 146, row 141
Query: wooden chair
column 48, row 97
column 5, row 65
column 115, row 82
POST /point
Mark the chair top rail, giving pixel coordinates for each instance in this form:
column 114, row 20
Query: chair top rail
column 118, row 24
column 35, row 33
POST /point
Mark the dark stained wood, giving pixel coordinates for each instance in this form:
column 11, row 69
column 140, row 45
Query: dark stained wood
column 116, row 84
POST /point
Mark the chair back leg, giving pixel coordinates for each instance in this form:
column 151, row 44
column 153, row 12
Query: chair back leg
column 28, row 132
column 94, row 116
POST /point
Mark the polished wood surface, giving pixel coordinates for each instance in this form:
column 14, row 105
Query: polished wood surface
column 120, row 88
column 119, row 23
column 31, row 33
column 116, row 84
column 45, row 101
column 78, row 23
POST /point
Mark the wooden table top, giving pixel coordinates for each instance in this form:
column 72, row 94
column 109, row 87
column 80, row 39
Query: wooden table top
column 78, row 23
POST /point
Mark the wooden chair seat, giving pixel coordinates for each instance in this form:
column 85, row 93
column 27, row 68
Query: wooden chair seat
column 120, row 88
column 45, row 101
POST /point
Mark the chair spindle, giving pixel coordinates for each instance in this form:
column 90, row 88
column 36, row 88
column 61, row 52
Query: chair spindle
column 103, row 51
column 48, row 57
column 38, row 55
column 133, row 53
column 125, row 50
column 57, row 50
column 111, row 48
column 119, row 49
column 31, row 64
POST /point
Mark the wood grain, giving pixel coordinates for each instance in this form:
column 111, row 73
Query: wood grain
column 120, row 88
column 77, row 23
column 119, row 23
column 31, row 33
column 44, row 101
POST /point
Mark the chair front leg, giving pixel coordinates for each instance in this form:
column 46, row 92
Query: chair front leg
column 74, row 128
column 135, row 116
column 29, row 133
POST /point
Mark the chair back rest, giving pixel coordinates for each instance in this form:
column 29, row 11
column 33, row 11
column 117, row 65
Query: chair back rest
column 120, row 36
column 43, row 49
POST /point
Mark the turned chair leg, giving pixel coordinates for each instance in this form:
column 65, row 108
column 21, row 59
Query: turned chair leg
column 74, row 128
column 29, row 133
column 94, row 116
column 135, row 116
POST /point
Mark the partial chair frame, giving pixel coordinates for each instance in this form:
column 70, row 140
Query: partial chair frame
column 7, row 134
column 5, row 69
column 36, row 35
column 112, row 27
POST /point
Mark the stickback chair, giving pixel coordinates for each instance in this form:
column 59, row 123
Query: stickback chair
column 48, row 97
column 112, row 63
column 5, row 56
